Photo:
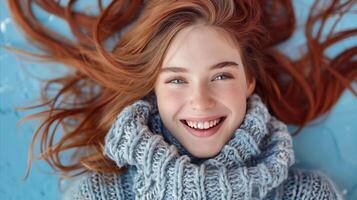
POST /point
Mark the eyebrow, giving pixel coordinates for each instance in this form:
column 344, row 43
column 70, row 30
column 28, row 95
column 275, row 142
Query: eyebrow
column 215, row 66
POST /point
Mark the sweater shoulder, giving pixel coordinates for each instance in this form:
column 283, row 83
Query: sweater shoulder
column 308, row 184
column 96, row 186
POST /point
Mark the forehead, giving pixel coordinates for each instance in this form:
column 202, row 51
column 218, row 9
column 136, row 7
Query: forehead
column 200, row 44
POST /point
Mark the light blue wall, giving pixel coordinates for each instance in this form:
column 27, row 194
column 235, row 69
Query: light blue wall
column 329, row 145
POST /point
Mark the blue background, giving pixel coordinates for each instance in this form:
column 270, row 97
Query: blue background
column 328, row 144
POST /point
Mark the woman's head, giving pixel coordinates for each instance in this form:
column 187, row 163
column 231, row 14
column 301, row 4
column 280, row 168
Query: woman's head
column 188, row 39
column 202, row 89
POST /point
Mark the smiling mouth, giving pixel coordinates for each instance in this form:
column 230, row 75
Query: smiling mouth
column 203, row 125
column 203, row 129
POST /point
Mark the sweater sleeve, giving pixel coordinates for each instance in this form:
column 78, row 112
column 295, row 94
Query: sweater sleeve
column 130, row 142
column 306, row 184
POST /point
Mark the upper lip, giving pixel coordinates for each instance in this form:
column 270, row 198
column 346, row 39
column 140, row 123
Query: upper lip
column 200, row 119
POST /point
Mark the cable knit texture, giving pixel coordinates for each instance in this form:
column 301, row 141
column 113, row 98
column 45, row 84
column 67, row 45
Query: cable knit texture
column 254, row 164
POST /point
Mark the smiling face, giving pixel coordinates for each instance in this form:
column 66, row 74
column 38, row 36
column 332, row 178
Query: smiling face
column 202, row 89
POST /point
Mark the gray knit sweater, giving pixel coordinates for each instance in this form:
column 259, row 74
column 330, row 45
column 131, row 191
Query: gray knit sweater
column 254, row 164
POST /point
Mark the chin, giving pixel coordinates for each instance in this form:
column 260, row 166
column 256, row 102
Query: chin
column 205, row 154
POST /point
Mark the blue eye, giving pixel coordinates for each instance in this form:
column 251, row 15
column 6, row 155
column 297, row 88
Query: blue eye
column 176, row 81
column 222, row 77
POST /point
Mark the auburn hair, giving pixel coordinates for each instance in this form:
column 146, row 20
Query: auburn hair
column 116, row 56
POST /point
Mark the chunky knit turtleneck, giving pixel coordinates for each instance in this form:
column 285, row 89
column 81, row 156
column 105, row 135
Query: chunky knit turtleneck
column 254, row 163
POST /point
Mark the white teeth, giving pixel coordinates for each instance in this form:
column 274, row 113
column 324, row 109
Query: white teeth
column 203, row 125
column 200, row 125
column 206, row 125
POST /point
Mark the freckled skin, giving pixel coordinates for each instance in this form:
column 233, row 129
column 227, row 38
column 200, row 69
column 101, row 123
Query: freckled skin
column 201, row 91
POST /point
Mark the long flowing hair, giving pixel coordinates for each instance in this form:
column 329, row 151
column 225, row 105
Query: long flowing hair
column 106, row 78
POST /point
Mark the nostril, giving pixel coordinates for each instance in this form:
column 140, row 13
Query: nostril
column 202, row 103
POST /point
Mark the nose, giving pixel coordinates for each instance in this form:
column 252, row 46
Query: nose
column 201, row 98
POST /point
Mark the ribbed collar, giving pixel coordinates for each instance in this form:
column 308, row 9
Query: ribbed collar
column 259, row 153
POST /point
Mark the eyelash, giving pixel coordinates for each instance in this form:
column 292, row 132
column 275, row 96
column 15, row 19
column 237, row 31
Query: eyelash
column 179, row 80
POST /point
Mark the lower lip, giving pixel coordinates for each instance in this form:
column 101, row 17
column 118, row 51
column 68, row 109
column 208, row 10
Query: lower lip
column 202, row 132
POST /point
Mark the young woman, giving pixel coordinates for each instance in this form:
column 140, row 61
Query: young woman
column 189, row 102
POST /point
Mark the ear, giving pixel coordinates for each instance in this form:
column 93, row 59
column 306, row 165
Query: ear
column 250, row 86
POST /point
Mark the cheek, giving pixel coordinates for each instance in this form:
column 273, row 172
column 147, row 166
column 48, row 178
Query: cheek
column 234, row 97
column 232, row 92
column 169, row 101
